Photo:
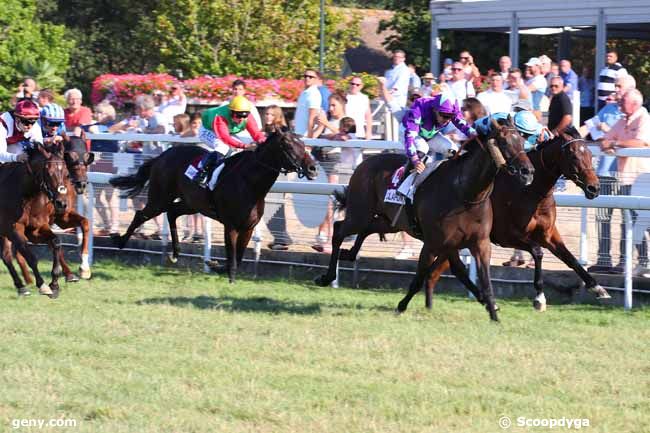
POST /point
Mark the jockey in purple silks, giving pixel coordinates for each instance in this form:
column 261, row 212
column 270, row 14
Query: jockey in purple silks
column 426, row 118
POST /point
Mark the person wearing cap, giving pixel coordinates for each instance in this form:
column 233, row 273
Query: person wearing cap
column 16, row 127
column 225, row 122
column 52, row 118
column 536, row 84
column 428, row 81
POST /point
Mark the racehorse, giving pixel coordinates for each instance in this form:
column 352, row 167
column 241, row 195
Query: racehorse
column 237, row 201
column 40, row 212
column 45, row 172
column 451, row 205
column 524, row 217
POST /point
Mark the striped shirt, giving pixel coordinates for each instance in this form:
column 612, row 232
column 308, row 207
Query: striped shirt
column 607, row 78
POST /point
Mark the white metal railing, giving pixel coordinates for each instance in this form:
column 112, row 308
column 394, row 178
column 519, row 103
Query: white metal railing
column 626, row 203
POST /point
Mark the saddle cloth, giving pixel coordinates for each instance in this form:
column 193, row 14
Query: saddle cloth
column 196, row 165
column 411, row 183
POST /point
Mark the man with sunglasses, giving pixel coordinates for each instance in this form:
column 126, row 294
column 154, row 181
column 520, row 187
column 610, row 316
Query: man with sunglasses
column 225, row 122
column 17, row 126
column 52, row 118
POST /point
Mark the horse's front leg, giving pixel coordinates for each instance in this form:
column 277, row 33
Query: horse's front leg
column 556, row 246
column 7, row 258
column 72, row 219
column 243, row 239
column 17, row 238
column 540, row 300
column 338, row 235
column 231, row 238
column 425, row 264
column 482, row 253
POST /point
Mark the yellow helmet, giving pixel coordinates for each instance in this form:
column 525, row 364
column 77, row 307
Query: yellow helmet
column 240, row 103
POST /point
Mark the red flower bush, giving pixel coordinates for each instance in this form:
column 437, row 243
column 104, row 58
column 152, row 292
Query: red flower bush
column 120, row 89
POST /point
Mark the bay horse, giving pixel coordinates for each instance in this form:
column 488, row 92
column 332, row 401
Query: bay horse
column 452, row 205
column 40, row 211
column 45, row 172
column 237, row 200
column 525, row 217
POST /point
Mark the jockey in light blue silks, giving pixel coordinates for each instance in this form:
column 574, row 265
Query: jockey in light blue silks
column 526, row 124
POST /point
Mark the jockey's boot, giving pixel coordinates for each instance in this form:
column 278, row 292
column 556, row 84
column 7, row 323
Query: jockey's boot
column 201, row 177
column 412, row 220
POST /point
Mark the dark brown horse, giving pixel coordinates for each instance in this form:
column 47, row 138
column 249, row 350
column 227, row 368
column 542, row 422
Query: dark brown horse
column 524, row 217
column 40, row 212
column 237, row 201
column 45, row 172
column 452, row 205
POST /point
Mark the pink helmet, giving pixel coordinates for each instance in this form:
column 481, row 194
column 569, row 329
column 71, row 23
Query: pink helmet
column 27, row 109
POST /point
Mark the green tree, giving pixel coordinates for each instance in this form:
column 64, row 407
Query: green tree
column 266, row 38
column 30, row 47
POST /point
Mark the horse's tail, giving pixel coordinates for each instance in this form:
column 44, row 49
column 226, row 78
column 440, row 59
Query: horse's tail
column 134, row 183
column 341, row 198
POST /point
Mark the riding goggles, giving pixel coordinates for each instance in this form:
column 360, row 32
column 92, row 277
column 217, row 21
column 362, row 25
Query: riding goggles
column 240, row 114
column 53, row 123
column 26, row 121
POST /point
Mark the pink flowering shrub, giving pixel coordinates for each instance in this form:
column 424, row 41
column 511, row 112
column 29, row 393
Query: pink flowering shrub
column 120, row 89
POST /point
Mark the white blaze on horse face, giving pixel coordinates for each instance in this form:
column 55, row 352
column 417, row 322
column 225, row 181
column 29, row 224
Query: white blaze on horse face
column 581, row 149
column 62, row 189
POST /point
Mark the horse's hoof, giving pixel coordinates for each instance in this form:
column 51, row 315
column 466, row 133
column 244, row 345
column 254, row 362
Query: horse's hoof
column 539, row 306
column 172, row 260
column 23, row 291
column 45, row 289
column 600, row 292
column 346, row 256
column 216, row 267
column 85, row 274
column 398, row 312
column 322, row 281
column 118, row 241
column 54, row 295
column 71, row 278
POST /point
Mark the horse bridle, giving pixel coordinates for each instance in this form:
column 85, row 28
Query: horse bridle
column 575, row 177
column 45, row 187
column 509, row 163
column 295, row 163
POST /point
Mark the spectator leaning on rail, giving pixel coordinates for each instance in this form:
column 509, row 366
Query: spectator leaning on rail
column 225, row 122
column 607, row 169
column 608, row 76
column 398, row 78
column 76, row 114
column 633, row 130
column 309, row 104
column 17, row 126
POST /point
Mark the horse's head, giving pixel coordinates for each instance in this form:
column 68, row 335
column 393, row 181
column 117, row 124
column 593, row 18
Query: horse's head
column 291, row 152
column 50, row 173
column 576, row 163
column 77, row 160
column 506, row 147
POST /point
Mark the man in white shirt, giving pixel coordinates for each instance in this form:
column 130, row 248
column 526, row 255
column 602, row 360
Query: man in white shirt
column 495, row 99
column 505, row 63
column 176, row 104
column 462, row 88
column 358, row 108
column 398, row 77
column 309, row 104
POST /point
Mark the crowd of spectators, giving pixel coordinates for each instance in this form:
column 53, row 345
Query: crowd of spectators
column 549, row 89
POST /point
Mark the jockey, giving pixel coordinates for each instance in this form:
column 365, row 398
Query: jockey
column 525, row 122
column 225, row 122
column 426, row 117
column 16, row 127
column 52, row 118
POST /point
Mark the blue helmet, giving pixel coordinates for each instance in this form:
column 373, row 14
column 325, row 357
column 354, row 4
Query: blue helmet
column 483, row 125
column 526, row 123
column 53, row 113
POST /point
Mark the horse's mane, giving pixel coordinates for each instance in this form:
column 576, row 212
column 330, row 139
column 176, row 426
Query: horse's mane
column 571, row 133
column 75, row 144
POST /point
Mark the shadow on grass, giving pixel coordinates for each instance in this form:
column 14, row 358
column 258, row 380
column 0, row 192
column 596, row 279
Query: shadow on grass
column 258, row 304
column 100, row 275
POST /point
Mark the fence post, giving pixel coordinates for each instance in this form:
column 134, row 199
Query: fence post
column 207, row 242
column 584, row 242
column 90, row 216
column 629, row 242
